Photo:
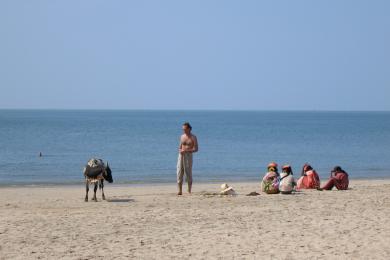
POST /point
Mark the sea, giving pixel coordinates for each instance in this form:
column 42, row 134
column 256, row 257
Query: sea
column 141, row 147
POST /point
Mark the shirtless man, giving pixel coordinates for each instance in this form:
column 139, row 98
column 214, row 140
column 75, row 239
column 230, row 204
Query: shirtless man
column 188, row 145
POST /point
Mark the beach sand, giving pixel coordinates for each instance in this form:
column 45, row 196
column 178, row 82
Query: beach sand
column 151, row 222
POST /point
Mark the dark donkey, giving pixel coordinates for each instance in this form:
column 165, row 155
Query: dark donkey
column 96, row 172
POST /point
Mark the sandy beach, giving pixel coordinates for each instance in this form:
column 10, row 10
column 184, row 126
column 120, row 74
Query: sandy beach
column 151, row 222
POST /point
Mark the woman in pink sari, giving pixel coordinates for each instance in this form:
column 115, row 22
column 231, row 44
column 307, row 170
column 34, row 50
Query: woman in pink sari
column 338, row 178
column 309, row 178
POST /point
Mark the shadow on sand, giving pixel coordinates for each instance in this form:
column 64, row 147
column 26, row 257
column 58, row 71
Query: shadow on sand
column 119, row 200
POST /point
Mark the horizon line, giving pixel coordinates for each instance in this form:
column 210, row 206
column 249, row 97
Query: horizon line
column 190, row 110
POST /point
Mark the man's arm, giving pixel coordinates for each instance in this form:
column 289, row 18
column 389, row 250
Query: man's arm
column 180, row 146
column 195, row 149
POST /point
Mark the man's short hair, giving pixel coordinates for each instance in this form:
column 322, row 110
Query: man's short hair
column 187, row 125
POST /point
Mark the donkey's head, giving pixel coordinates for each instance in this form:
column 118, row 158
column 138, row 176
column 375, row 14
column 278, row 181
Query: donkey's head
column 108, row 174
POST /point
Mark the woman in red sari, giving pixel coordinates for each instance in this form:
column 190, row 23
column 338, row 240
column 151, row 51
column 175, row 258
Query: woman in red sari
column 338, row 178
column 309, row 178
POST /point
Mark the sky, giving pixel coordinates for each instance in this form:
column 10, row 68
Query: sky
column 190, row 55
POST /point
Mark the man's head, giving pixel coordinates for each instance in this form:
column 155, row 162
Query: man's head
column 187, row 128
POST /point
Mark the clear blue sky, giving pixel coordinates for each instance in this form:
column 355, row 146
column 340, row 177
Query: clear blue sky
column 261, row 55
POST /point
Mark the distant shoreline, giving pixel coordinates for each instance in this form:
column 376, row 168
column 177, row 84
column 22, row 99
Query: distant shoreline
column 164, row 183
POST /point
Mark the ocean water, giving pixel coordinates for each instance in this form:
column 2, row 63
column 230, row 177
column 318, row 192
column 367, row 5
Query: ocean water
column 141, row 146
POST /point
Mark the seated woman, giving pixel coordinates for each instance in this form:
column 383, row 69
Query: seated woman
column 286, row 181
column 270, row 182
column 338, row 178
column 309, row 178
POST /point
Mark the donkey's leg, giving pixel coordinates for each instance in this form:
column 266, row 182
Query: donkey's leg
column 86, row 190
column 94, row 191
column 102, row 186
